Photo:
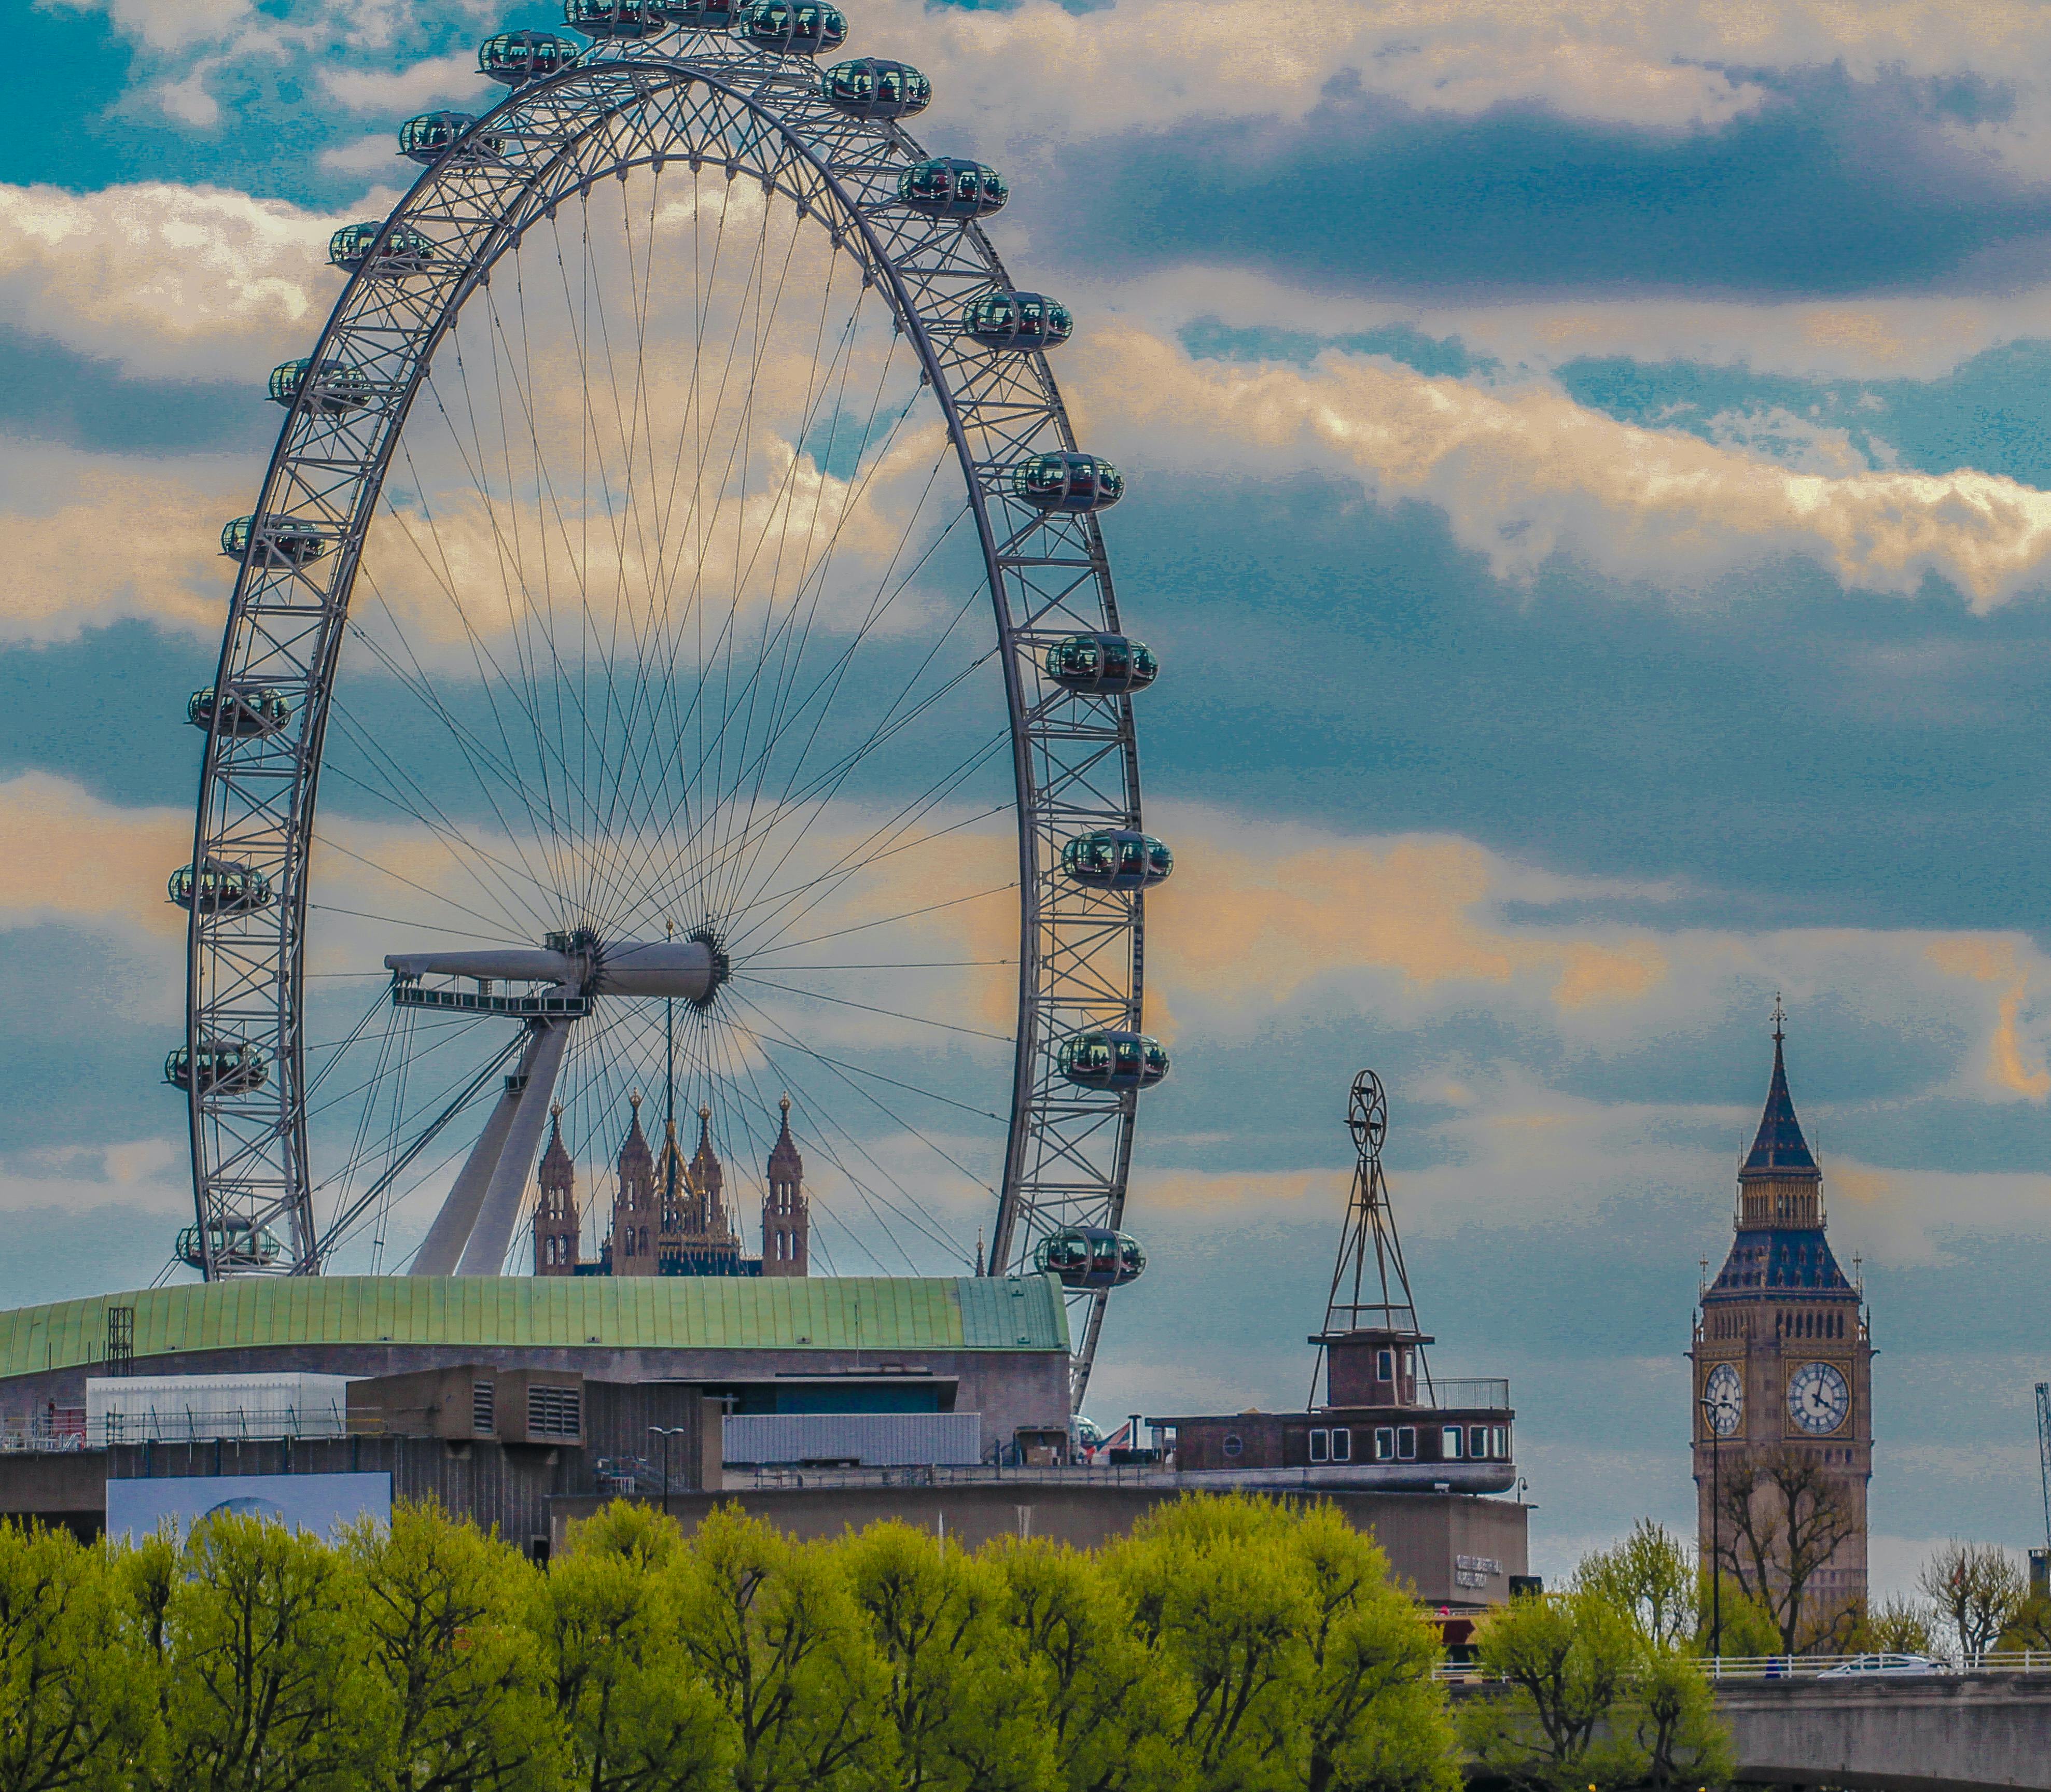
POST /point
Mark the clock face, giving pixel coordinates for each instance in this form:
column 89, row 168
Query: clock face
column 1723, row 1400
column 1817, row 1398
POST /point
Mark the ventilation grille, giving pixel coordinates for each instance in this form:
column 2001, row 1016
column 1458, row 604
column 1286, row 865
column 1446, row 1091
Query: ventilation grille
column 481, row 1403
column 554, row 1412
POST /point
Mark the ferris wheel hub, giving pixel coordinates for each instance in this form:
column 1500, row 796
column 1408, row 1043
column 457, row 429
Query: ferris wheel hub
column 580, row 964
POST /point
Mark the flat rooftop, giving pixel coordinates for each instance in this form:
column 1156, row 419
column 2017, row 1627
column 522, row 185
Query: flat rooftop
column 887, row 1314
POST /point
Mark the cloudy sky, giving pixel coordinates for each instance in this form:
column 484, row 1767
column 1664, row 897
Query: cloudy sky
column 1591, row 490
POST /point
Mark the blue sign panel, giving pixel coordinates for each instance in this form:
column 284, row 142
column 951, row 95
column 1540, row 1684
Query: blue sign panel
column 319, row 1503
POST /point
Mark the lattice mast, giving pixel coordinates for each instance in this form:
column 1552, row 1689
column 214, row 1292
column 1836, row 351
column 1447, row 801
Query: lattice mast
column 1369, row 1228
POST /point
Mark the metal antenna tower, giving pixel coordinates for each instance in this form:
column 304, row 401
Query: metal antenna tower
column 1370, row 1224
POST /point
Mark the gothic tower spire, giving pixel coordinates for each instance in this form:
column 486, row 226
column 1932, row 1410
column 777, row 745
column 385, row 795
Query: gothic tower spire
column 786, row 1224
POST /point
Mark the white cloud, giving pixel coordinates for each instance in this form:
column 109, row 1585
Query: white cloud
column 1523, row 474
column 400, row 93
column 194, row 281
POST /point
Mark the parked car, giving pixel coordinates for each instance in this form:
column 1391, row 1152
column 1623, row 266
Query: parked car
column 1863, row 1666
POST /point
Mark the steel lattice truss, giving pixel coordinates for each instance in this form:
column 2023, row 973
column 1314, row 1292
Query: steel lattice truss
column 707, row 100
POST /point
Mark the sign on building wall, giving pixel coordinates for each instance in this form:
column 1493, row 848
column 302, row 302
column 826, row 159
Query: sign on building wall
column 318, row 1503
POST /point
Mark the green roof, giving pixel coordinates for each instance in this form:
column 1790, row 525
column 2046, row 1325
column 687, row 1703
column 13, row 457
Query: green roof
column 705, row 1313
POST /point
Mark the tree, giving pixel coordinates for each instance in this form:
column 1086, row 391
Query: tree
column 1901, row 1626
column 263, row 1659
column 1977, row 1587
column 1782, row 1520
column 964, row 1700
column 1214, row 1587
column 74, row 1713
column 1748, row 1627
column 1592, row 1701
column 1569, row 1660
column 1651, row 1577
column 1115, row 1712
column 1372, row 1715
column 2031, row 1627
column 771, row 1629
column 449, row 1617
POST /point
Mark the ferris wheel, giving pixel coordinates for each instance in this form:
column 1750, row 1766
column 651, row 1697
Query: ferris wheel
column 678, row 580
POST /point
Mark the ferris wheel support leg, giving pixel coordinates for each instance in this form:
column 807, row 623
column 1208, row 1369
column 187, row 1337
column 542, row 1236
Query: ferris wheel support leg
column 441, row 1249
column 506, row 1192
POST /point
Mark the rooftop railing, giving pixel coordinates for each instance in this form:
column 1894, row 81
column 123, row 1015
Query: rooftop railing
column 1483, row 1392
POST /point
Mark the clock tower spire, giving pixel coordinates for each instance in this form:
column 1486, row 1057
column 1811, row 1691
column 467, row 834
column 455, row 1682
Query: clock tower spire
column 1782, row 1359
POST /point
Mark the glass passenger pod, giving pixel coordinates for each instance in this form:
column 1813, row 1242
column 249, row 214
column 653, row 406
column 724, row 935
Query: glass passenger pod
column 1112, row 1060
column 336, row 389
column 792, row 27
column 514, row 56
column 237, row 1244
column 1090, row 1257
column 871, row 88
column 405, row 251
column 221, row 888
column 428, row 139
column 285, row 541
column 1019, row 320
column 612, row 18
column 1070, row 483
column 226, row 1067
column 1117, row 859
column 1101, row 664
column 247, row 714
column 699, row 15
column 946, row 187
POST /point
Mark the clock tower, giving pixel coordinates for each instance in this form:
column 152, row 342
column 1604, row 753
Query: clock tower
column 1783, row 1381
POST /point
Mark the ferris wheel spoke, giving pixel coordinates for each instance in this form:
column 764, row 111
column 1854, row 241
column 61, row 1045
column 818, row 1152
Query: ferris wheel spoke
column 886, row 920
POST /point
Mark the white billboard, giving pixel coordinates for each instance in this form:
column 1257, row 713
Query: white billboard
column 319, row 1503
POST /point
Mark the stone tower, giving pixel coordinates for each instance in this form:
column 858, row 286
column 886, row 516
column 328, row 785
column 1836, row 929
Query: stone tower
column 1783, row 1386
column 555, row 1222
column 786, row 1223
column 636, row 1220
column 705, row 1243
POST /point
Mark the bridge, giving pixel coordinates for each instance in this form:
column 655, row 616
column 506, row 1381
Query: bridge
column 1971, row 1731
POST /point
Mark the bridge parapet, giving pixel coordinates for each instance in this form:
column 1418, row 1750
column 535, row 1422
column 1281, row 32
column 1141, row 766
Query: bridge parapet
column 1979, row 1731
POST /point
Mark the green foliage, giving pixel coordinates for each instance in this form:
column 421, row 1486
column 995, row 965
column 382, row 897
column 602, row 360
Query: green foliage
column 1651, row 1577
column 1898, row 1625
column 959, row 1691
column 1748, row 1628
column 73, row 1712
column 771, row 1628
column 1594, row 1698
column 1229, row 1645
column 263, row 1665
column 2031, row 1627
column 449, row 1619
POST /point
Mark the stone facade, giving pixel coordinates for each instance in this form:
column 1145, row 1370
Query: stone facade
column 1782, row 1360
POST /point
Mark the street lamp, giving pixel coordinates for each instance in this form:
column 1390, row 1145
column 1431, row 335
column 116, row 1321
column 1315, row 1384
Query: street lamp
column 666, row 1432
column 1711, row 1425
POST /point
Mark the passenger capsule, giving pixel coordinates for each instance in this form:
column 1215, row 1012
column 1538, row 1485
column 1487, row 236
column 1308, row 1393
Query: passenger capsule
column 946, row 187
column 226, row 1067
column 1101, row 664
column 792, row 27
column 699, row 15
column 428, row 139
column 1090, row 1257
column 221, row 888
column 237, row 1244
column 405, row 251
column 514, row 56
column 870, row 88
column 612, row 18
column 248, row 713
column 1117, row 859
column 1019, row 320
column 1071, row 483
column 335, row 390
column 285, row 541
column 1112, row 1060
